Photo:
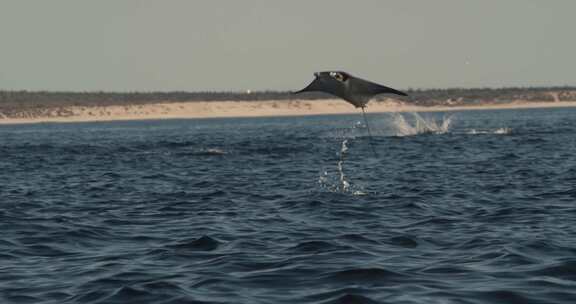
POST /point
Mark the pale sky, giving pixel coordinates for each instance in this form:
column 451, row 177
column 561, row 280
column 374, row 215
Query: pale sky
column 146, row 45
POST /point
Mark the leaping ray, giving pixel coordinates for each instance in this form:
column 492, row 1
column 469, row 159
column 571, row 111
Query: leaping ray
column 354, row 90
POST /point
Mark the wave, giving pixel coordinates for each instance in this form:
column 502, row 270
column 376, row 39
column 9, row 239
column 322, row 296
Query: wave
column 350, row 298
column 317, row 246
column 372, row 275
column 160, row 217
column 204, row 243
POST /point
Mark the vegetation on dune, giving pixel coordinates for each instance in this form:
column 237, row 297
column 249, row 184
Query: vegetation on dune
column 460, row 96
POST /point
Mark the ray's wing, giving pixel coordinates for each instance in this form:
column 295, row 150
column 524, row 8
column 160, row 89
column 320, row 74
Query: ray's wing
column 364, row 87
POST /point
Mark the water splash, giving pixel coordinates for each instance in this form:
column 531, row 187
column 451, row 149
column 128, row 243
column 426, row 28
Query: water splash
column 344, row 184
column 339, row 182
column 419, row 125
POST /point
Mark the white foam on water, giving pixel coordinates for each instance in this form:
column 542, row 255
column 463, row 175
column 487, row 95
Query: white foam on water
column 496, row 131
column 503, row 131
column 211, row 151
column 215, row 151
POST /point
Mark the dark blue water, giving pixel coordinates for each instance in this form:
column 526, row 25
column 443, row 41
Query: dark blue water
column 292, row 210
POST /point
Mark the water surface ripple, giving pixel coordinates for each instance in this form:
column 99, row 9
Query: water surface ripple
column 479, row 210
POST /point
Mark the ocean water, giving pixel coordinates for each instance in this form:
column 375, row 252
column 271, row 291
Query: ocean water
column 460, row 207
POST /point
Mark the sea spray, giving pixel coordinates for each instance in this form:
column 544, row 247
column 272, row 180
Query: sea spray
column 339, row 182
column 419, row 125
column 344, row 184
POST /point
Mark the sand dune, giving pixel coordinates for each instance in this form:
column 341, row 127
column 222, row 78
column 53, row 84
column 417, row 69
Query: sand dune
column 215, row 109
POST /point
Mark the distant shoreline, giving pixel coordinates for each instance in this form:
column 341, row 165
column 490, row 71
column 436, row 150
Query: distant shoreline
column 267, row 108
column 45, row 106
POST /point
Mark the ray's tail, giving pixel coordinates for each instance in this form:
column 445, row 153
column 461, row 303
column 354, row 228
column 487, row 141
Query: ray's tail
column 369, row 132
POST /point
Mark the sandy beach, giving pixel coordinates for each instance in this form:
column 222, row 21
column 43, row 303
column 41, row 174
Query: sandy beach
column 220, row 109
